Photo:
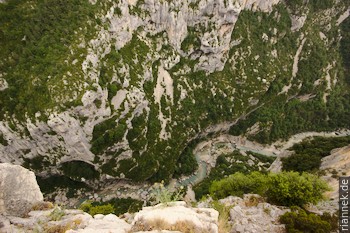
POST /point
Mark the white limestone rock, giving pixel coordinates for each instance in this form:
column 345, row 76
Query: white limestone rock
column 19, row 190
column 259, row 5
column 251, row 215
column 173, row 212
column 3, row 84
column 297, row 22
column 109, row 224
column 162, row 231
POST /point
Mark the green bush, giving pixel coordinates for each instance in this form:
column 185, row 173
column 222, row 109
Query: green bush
column 187, row 163
column 56, row 214
column 239, row 184
column 162, row 194
column 291, row 188
column 3, row 141
column 285, row 188
column 98, row 209
column 224, row 167
column 115, row 206
column 299, row 221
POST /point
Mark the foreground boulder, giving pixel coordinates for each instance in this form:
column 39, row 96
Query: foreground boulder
column 104, row 224
column 176, row 216
column 251, row 214
column 19, row 190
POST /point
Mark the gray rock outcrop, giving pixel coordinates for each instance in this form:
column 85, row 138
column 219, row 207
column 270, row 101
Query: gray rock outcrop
column 174, row 217
column 18, row 190
column 174, row 214
column 251, row 214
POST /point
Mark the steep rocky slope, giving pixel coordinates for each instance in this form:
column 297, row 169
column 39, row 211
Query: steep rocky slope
column 123, row 87
column 171, row 216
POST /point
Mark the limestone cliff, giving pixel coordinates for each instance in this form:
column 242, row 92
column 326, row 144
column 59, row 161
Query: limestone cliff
column 120, row 88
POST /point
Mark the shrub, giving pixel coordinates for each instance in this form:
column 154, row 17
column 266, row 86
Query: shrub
column 116, row 206
column 239, row 184
column 57, row 228
column 61, row 228
column 56, row 214
column 291, row 188
column 162, row 194
column 224, row 216
column 98, row 209
column 44, row 205
column 298, row 221
column 225, row 167
column 286, row 188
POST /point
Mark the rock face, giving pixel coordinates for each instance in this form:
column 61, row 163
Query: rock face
column 250, row 215
column 152, row 74
column 174, row 217
column 334, row 165
column 64, row 133
column 18, row 190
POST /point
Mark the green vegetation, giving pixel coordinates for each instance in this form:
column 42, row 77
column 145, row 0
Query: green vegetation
column 37, row 163
column 283, row 115
column 187, row 163
column 191, row 41
column 3, row 141
column 224, row 216
column 98, row 209
column 116, row 206
column 313, row 5
column 79, row 169
column 318, row 5
column 286, row 188
column 300, row 221
column 35, row 40
column 162, row 194
column 44, row 44
column 308, row 153
column 291, row 188
column 136, row 138
column 56, row 214
column 106, row 134
column 229, row 164
column 52, row 183
column 345, row 47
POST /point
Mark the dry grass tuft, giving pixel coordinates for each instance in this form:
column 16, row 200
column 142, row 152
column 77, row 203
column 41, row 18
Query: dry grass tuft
column 253, row 201
column 58, row 228
column 161, row 224
column 45, row 205
column 62, row 228
column 224, row 216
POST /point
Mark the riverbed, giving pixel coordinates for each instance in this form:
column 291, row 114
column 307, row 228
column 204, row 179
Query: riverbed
column 206, row 153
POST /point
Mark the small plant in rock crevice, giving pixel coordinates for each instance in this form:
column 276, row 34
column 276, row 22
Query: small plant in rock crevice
column 162, row 194
column 57, row 213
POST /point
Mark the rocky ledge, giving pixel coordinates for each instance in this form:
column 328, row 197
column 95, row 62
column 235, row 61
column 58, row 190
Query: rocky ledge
column 23, row 210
